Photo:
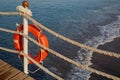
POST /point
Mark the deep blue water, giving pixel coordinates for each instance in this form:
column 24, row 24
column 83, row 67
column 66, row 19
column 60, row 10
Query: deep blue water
column 92, row 22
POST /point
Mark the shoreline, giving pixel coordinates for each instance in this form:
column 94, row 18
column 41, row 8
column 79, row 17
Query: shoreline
column 104, row 63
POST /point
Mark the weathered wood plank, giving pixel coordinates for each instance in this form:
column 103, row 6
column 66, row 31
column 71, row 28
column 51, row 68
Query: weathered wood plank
column 10, row 73
column 7, row 72
column 5, row 68
column 2, row 63
column 20, row 76
column 29, row 78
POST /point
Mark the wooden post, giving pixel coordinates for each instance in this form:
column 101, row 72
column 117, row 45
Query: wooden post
column 25, row 48
column 25, row 4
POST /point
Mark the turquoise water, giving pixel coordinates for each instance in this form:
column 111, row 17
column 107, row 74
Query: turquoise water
column 92, row 22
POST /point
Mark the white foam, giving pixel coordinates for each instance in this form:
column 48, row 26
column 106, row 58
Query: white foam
column 108, row 33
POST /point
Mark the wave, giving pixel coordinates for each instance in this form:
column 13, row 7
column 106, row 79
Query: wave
column 107, row 34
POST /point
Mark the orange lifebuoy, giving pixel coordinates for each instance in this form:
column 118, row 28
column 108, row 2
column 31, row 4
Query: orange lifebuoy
column 42, row 39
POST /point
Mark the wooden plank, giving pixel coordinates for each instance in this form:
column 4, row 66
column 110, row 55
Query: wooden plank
column 2, row 63
column 20, row 76
column 5, row 68
column 7, row 72
column 29, row 78
column 10, row 73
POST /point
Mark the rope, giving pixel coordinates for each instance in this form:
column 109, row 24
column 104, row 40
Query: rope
column 9, row 50
column 36, row 63
column 112, row 54
column 34, row 71
column 73, row 62
column 9, row 13
column 65, row 58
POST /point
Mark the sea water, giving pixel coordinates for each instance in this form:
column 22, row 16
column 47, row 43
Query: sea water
column 92, row 22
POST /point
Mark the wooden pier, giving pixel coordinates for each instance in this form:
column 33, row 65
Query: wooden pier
column 8, row 72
